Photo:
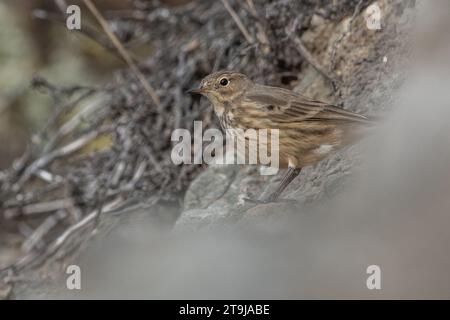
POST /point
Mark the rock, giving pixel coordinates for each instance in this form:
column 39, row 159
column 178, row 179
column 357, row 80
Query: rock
column 202, row 218
column 209, row 186
column 268, row 209
column 216, row 202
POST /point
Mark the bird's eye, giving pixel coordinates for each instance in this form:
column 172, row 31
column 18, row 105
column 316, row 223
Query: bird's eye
column 224, row 82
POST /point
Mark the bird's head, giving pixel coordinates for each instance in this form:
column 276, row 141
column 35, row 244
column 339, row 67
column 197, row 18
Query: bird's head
column 223, row 86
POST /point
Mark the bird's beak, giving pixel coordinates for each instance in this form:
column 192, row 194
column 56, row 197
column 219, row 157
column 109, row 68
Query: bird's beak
column 196, row 91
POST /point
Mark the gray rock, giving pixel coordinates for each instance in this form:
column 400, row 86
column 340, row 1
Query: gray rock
column 196, row 219
column 218, row 196
column 209, row 186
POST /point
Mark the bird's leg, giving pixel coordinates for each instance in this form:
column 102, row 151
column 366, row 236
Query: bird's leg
column 290, row 175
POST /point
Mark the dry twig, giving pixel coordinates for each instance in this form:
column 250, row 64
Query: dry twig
column 238, row 22
column 123, row 52
column 304, row 52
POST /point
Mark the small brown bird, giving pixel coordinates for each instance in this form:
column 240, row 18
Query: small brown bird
column 309, row 130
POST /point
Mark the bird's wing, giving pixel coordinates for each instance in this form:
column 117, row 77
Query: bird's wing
column 284, row 106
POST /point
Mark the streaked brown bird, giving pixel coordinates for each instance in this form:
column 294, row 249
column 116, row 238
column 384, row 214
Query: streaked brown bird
column 309, row 130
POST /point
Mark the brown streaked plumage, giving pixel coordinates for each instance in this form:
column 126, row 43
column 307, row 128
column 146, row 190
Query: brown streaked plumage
column 309, row 130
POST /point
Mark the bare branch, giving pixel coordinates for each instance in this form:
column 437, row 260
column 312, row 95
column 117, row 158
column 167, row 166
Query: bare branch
column 238, row 21
column 304, row 52
column 123, row 52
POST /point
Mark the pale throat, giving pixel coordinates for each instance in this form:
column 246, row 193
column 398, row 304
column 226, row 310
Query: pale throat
column 219, row 108
column 220, row 105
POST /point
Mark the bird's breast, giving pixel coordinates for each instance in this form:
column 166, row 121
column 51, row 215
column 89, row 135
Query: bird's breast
column 226, row 119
